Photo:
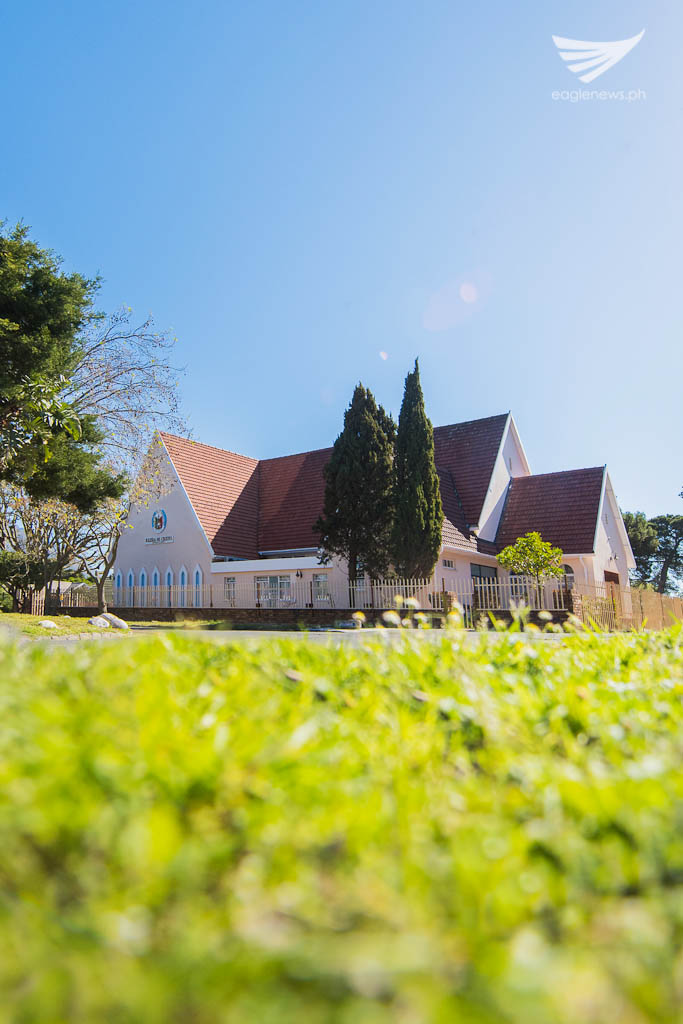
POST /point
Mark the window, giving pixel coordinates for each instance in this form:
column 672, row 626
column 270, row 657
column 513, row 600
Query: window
column 143, row 578
column 229, row 591
column 320, row 587
column 483, row 572
column 131, row 591
column 183, row 584
column 155, row 578
column 569, row 578
column 169, row 587
column 485, row 585
column 119, row 582
column 448, row 563
column 273, row 591
column 197, row 587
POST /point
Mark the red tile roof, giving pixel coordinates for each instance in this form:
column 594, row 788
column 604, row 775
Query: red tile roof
column 468, row 451
column 455, row 533
column 247, row 507
column 292, row 490
column 562, row 507
column 223, row 489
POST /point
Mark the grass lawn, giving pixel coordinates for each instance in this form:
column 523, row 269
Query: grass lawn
column 27, row 625
column 443, row 832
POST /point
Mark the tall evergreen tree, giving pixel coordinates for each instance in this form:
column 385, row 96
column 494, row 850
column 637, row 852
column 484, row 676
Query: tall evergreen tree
column 356, row 523
column 417, row 504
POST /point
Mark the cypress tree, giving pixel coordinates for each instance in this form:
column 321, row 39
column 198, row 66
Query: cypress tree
column 356, row 523
column 418, row 513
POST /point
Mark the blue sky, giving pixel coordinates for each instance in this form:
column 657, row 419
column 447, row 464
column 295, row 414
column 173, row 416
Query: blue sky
column 297, row 188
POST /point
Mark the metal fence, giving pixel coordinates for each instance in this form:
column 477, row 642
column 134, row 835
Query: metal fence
column 606, row 605
column 40, row 603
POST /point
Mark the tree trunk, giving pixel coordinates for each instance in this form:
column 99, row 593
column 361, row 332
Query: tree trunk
column 353, row 576
column 664, row 573
column 101, row 600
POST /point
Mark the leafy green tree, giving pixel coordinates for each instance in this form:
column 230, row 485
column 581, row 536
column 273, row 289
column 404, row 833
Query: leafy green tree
column 668, row 561
column 42, row 311
column 19, row 573
column 644, row 542
column 531, row 556
column 357, row 513
column 418, row 515
column 74, row 471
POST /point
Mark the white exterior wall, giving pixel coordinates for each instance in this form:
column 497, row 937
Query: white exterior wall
column 461, row 572
column 188, row 549
column 611, row 553
column 511, row 461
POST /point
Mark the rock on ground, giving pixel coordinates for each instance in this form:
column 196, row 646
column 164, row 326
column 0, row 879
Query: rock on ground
column 47, row 624
column 99, row 620
column 114, row 620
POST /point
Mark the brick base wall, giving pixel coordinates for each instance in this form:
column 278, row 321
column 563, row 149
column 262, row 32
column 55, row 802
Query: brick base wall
column 558, row 617
column 277, row 618
column 281, row 618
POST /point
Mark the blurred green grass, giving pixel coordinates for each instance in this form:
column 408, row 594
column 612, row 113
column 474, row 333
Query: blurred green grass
column 414, row 833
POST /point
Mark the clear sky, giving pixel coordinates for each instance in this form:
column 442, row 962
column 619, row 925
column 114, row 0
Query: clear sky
column 299, row 190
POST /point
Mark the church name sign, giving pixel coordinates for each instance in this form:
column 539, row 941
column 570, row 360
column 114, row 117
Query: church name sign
column 159, row 523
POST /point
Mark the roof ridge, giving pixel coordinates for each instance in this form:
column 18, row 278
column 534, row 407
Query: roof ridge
column 213, row 447
column 561, row 472
column 479, row 419
column 312, row 451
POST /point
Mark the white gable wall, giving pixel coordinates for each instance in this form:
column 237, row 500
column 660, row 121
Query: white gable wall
column 612, row 550
column 143, row 547
column 511, row 461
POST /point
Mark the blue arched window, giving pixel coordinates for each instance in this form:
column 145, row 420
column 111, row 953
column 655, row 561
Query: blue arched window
column 118, row 584
column 131, row 589
column 197, row 587
column 169, row 587
column 183, row 585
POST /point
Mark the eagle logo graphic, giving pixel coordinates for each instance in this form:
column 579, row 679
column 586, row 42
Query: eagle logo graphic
column 593, row 58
